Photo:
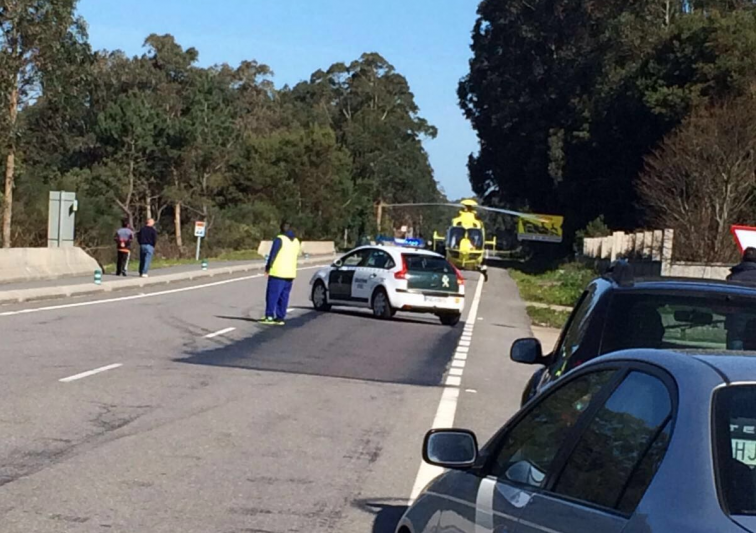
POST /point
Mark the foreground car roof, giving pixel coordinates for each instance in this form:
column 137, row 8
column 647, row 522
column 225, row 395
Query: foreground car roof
column 691, row 285
column 730, row 366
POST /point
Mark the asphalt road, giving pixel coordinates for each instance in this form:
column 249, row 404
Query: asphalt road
column 312, row 427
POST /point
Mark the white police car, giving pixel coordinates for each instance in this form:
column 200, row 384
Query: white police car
column 388, row 279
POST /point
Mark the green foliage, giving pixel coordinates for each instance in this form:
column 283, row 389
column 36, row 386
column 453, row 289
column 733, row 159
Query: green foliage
column 548, row 318
column 562, row 286
column 569, row 96
column 158, row 136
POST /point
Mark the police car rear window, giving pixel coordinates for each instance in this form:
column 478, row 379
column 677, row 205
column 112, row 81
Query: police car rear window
column 427, row 263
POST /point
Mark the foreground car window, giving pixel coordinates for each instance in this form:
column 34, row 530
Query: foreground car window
column 530, row 447
column 621, row 449
column 679, row 322
column 735, row 423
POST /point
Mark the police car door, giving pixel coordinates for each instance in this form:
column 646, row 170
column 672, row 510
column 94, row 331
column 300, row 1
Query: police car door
column 371, row 274
column 341, row 277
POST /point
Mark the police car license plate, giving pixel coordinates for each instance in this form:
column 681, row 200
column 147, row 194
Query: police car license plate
column 435, row 300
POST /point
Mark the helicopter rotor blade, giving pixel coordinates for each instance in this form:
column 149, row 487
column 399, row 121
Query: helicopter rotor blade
column 482, row 207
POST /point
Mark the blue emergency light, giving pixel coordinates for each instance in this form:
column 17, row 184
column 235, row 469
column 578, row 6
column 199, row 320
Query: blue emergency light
column 409, row 243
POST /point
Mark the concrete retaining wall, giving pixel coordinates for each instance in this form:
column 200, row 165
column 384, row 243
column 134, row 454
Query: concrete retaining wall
column 28, row 264
column 308, row 247
column 698, row 270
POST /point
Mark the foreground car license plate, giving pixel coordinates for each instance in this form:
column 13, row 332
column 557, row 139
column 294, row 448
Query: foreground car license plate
column 435, row 299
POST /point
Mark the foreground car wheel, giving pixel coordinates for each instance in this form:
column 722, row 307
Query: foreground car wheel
column 450, row 320
column 382, row 305
column 319, row 297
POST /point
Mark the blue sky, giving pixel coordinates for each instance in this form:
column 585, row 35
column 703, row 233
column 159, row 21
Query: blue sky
column 426, row 42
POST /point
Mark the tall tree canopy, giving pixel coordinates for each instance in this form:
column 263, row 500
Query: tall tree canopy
column 157, row 135
column 569, row 96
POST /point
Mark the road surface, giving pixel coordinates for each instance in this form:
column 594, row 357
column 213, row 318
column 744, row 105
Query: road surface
column 175, row 411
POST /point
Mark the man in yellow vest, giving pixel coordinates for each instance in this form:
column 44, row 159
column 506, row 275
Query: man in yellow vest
column 281, row 270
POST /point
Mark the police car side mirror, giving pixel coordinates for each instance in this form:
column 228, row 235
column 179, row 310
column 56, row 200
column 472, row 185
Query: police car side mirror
column 338, row 263
column 527, row 351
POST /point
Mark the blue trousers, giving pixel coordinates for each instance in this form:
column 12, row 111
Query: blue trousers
column 277, row 297
column 146, row 251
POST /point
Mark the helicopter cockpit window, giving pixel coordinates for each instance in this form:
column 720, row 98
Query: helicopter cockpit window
column 456, row 234
column 476, row 237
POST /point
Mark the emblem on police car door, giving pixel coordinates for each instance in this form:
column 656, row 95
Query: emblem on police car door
column 445, row 281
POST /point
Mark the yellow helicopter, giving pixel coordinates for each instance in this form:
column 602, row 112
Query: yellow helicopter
column 465, row 244
column 465, row 241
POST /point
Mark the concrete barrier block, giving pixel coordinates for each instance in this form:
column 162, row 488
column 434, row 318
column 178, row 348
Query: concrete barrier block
column 28, row 264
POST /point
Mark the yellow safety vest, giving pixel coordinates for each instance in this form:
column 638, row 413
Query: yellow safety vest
column 285, row 264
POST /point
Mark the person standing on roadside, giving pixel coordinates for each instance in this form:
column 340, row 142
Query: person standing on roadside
column 736, row 324
column 746, row 269
column 123, row 238
column 147, row 238
column 281, row 270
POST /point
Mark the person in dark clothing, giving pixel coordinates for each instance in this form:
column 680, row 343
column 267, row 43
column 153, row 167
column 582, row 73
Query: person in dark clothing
column 147, row 238
column 746, row 269
column 736, row 324
column 281, row 270
column 123, row 238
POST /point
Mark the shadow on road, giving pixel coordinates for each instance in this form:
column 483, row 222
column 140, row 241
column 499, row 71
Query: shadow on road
column 340, row 344
column 387, row 512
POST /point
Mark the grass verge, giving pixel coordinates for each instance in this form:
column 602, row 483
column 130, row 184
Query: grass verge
column 160, row 262
column 548, row 318
column 560, row 286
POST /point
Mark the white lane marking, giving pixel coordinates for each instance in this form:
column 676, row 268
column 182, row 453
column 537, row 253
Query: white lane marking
column 447, row 407
column 90, row 373
column 218, row 333
column 463, row 349
column 140, row 295
column 471, row 391
column 456, row 371
column 458, row 364
column 464, row 344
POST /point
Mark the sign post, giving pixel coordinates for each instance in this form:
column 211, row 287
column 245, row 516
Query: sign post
column 199, row 232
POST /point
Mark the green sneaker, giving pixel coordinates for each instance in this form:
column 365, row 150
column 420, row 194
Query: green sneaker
column 279, row 322
column 268, row 321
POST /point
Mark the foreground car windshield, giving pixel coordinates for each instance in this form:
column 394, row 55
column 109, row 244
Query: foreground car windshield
column 666, row 321
column 735, row 423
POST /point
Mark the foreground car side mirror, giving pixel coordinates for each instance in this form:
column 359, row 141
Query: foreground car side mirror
column 527, row 351
column 450, row 448
column 338, row 263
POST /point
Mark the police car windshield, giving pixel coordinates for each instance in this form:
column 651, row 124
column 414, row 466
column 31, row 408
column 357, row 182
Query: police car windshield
column 735, row 422
column 427, row 263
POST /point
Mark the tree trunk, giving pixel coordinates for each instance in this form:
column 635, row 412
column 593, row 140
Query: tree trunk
column 177, row 225
column 10, row 168
column 147, row 209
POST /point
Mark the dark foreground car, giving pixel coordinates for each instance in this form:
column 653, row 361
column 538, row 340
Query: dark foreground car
column 636, row 442
column 617, row 312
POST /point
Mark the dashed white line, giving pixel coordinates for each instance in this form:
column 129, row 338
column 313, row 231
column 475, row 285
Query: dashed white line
column 90, row 373
column 447, row 407
column 219, row 333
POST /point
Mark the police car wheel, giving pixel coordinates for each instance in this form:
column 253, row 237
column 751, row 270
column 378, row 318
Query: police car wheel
column 382, row 305
column 450, row 320
column 319, row 297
